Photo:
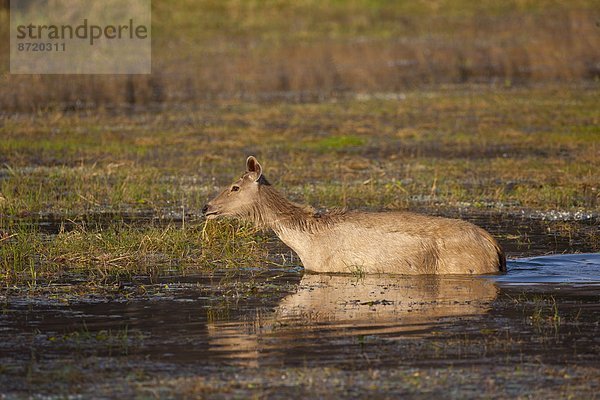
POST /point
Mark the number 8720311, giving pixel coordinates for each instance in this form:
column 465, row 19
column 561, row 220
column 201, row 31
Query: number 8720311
column 28, row 46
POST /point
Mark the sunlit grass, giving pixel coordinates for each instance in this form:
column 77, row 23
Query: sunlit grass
column 121, row 251
column 461, row 147
column 450, row 146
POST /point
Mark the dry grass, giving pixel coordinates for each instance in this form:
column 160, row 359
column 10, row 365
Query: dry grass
column 215, row 49
column 351, row 130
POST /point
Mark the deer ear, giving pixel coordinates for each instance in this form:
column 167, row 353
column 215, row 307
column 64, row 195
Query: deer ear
column 252, row 165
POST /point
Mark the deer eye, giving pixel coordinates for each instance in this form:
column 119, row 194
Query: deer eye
column 235, row 188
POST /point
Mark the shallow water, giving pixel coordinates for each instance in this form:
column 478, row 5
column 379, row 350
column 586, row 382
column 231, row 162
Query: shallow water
column 544, row 310
column 573, row 269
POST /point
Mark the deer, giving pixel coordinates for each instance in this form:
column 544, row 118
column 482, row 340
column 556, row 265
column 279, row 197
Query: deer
column 359, row 242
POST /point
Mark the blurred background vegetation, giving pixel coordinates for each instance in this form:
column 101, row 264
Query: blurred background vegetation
column 312, row 48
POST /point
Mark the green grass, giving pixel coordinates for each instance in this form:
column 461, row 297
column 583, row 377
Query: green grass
column 342, row 142
column 120, row 251
column 451, row 146
column 468, row 146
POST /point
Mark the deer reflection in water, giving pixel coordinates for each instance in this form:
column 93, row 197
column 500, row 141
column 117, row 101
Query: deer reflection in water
column 334, row 306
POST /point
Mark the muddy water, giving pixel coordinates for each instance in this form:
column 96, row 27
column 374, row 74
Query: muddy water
column 282, row 333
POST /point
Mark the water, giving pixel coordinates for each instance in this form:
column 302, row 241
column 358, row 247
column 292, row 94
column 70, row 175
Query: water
column 573, row 269
column 280, row 333
column 544, row 311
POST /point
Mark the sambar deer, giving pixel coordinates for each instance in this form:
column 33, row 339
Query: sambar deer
column 360, row 242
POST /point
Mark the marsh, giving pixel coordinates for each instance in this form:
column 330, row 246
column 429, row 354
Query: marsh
column 114, row 285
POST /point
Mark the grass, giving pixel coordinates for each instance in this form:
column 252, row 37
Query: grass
column 448, row 107
column 472, row 147
column 448, row 146
column 215, row 49
column 119, row 251
column 342, row 142
column 347, row 104
column 546, row 313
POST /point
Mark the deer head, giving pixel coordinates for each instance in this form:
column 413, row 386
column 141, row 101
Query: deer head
column 240, row 198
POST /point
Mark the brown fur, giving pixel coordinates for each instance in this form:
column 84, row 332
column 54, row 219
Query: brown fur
column 340, row 241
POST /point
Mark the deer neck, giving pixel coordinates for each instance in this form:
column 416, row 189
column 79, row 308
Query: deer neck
column 292, row 223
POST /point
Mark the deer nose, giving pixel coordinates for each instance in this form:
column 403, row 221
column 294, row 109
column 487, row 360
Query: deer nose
column 205, row 209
